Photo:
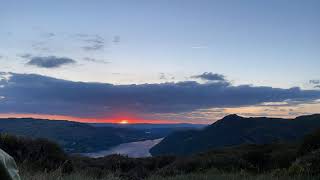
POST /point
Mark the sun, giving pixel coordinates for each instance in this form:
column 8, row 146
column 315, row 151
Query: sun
column 124, row 121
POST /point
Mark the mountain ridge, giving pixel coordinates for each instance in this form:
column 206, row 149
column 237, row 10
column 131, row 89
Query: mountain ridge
column 236, row 130
column 73, row 136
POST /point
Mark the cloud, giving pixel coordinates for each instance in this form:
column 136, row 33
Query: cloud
column 116, row 39
column 314, row 81
column 93, row 47
column 49, row 61
column 95, row 60
column 199, row 47
column 209, row 76
column 32, row 93
column 40, row 46
column 48, row 35
column 92, row 42
column 25, row 55
column 162, row 76
column 166, row 77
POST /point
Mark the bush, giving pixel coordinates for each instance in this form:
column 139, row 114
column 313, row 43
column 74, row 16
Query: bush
column 36, row 154
column 310, row 143
column 296, row 170
column 258, row 158
column 310, row 162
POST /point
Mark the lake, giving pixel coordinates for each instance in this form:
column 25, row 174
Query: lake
column 132, row 149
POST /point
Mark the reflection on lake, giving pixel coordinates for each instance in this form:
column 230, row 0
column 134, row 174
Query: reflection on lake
column 133, row 149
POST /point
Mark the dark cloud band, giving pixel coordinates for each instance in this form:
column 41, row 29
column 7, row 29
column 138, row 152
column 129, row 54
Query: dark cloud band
column 32, row 93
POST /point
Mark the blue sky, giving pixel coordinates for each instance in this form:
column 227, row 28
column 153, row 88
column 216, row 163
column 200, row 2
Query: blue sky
column 273, row 43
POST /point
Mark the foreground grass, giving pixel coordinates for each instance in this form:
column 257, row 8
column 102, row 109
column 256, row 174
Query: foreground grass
column 56, row 175
column 210, row 175
column 45, row 176
column 231, row 177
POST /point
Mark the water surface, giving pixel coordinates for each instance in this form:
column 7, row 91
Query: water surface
column 133, row 149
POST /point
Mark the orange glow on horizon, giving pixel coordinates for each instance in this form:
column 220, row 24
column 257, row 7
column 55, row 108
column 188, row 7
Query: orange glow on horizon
column 116, row 120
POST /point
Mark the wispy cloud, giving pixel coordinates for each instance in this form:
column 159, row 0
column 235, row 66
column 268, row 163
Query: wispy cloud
column 315, row 83
column 96, row 60
column 49, row 35
column 166, row 77
column 116, row 39
column 25, row 55
column 92, row 42
column 40, row 46
column 199, row 47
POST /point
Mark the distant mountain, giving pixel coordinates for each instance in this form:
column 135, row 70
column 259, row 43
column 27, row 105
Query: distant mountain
column 155, row 129
column 235, row 130
column 75, row 137
column 150, row 126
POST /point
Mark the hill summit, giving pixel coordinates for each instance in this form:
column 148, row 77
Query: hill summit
column 236, row 130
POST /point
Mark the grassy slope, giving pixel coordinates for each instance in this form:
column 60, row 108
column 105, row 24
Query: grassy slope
column 42, row 159
column 210, row 175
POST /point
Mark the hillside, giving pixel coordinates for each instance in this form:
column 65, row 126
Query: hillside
column 73, row 136
column 40, row 159
column 150, row 125
column 235, row 130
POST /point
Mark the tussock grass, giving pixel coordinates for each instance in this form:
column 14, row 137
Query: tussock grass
column 229, row 177
column 232, row 176
column 212, row 174
column 203, row 176
column 57, row 175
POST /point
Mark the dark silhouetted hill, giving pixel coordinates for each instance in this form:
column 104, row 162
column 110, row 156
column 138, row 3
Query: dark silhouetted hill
column 235, row 130
column 42, row 159
column 73, row 136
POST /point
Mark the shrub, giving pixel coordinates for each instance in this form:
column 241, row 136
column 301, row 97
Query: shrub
column 258, row 158
column 36, row 154
column 310, row 143
column 310, row 162
column 295, row 170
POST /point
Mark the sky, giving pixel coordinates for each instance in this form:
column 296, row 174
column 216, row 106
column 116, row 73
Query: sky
column 170, row 61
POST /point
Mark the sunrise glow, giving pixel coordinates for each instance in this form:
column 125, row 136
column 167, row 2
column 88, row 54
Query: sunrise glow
column 124, row 121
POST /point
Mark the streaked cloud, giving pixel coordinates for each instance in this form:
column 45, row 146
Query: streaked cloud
column 91, row 42
column 199, row 47
column 25, row 55
column 40, row 46
column 89, row 59
column 49, row 35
